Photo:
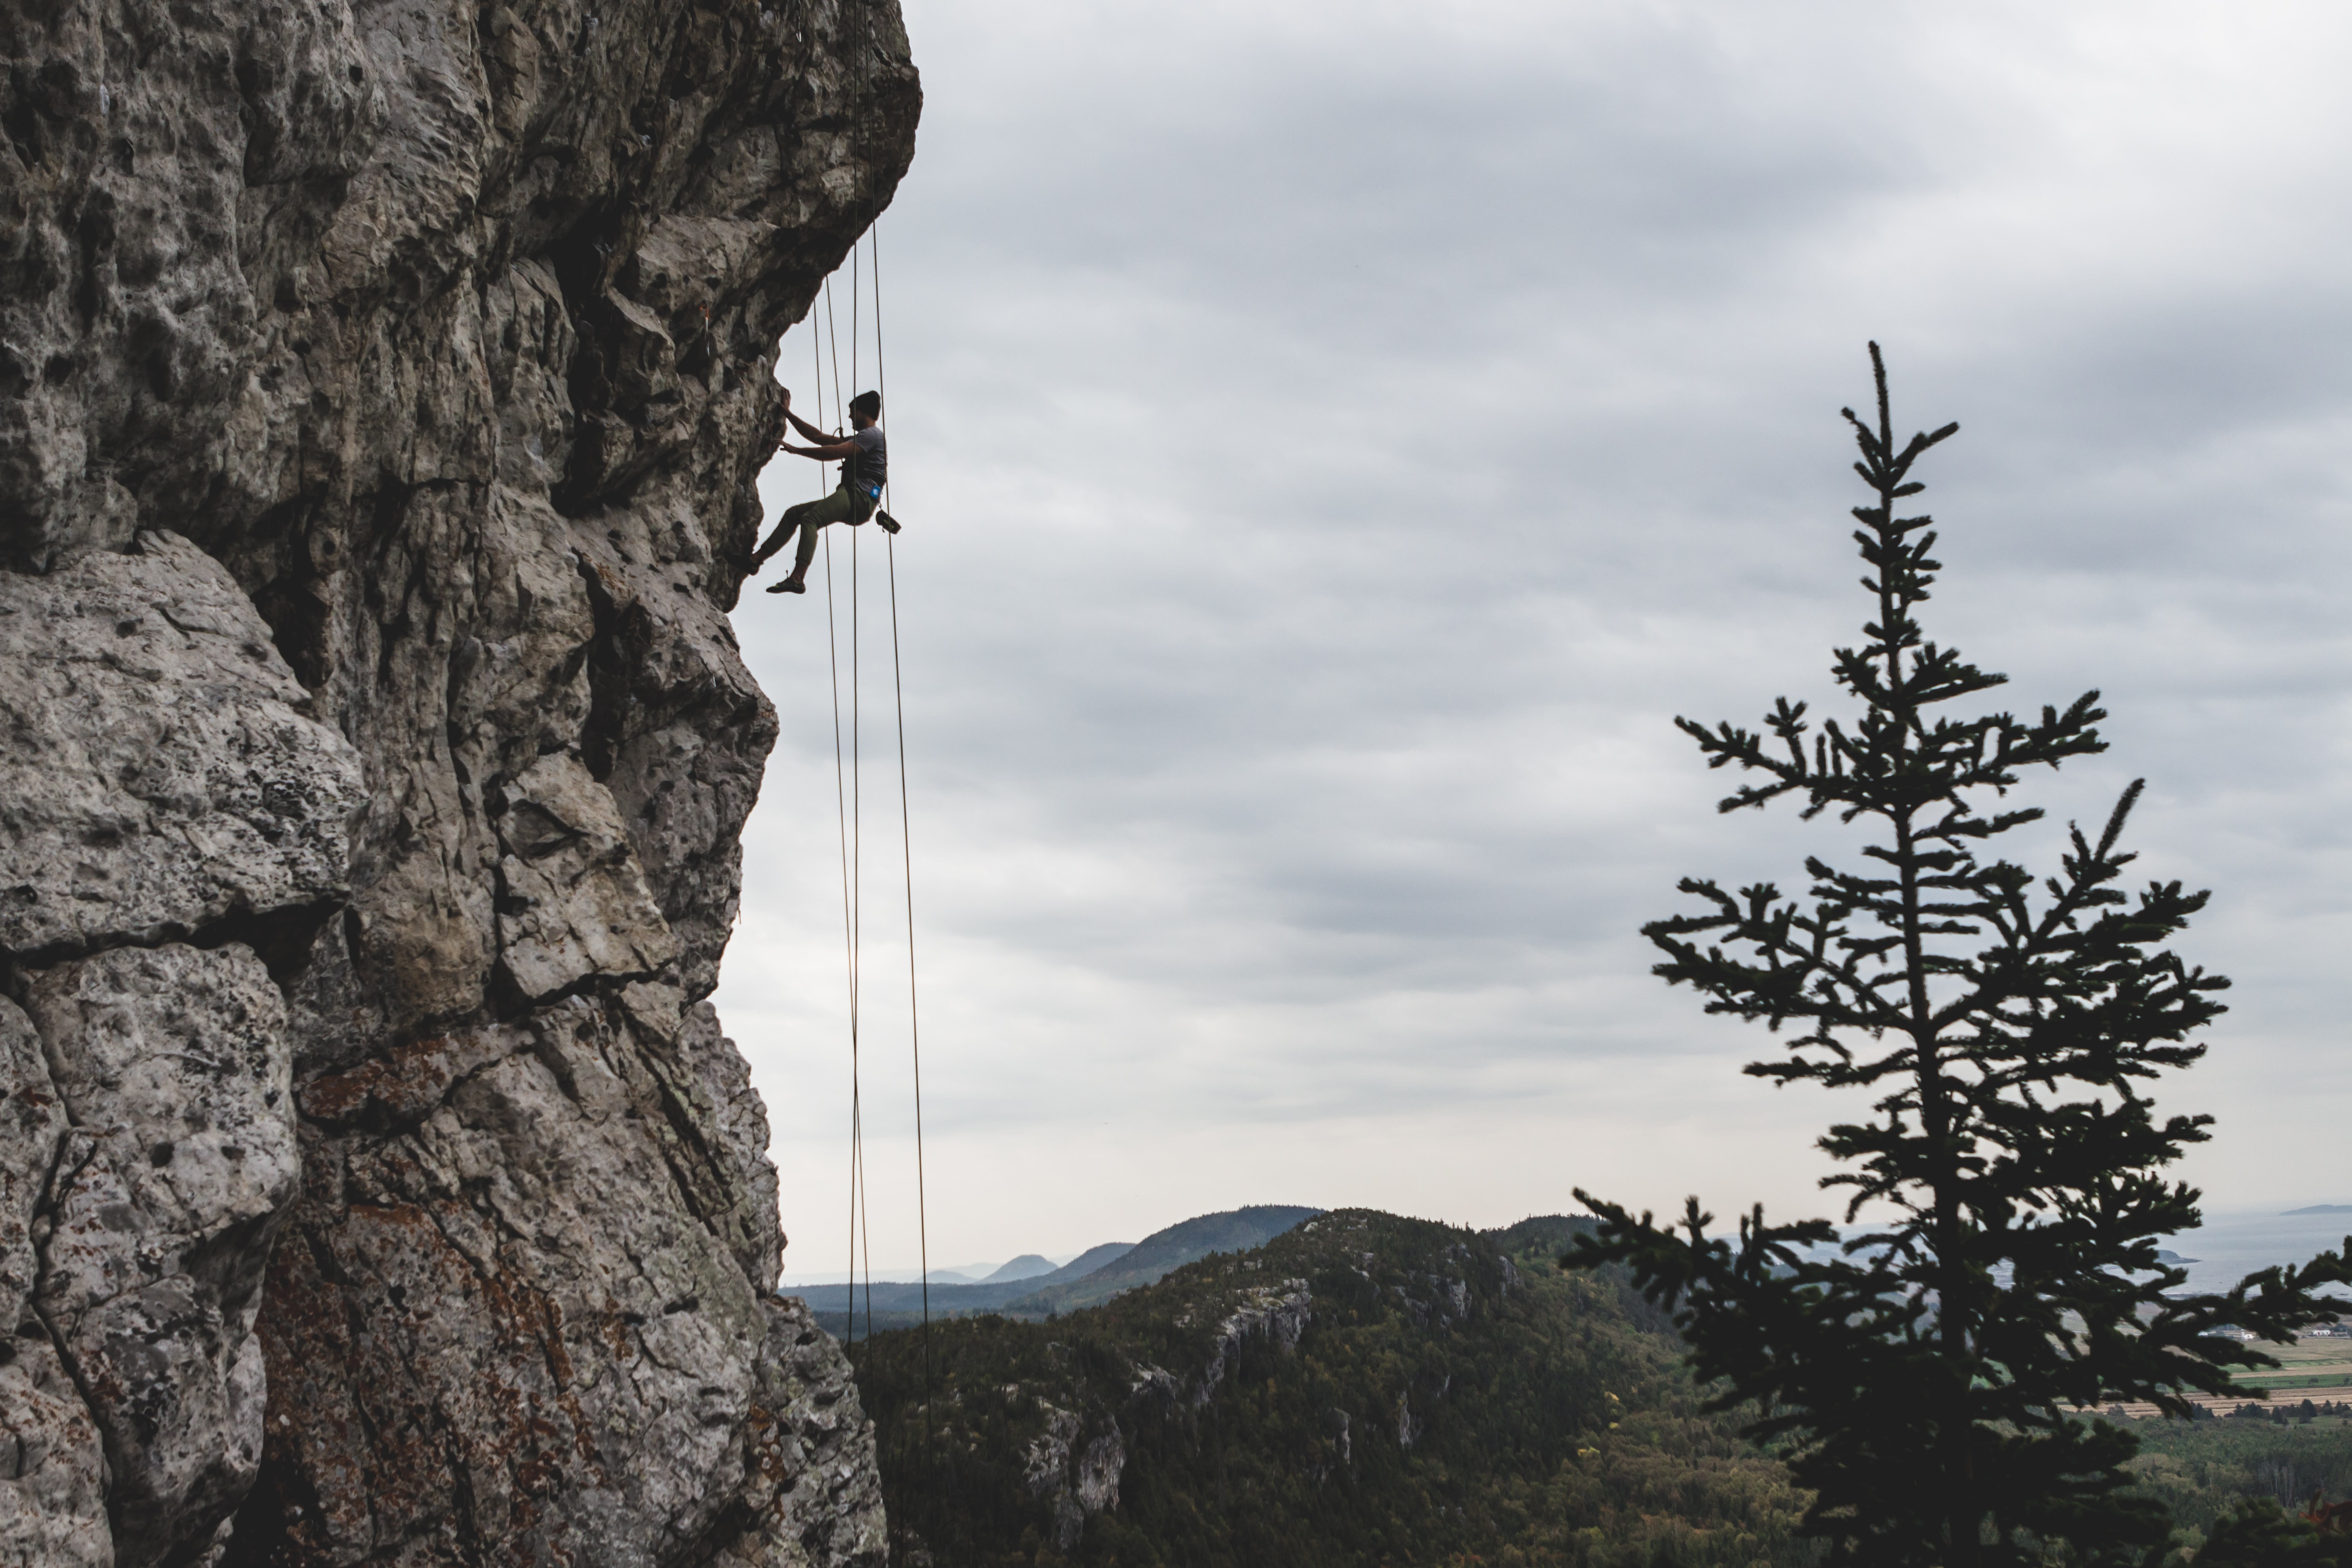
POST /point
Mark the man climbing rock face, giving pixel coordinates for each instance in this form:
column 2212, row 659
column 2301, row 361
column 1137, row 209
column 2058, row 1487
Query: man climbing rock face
column 865, row 459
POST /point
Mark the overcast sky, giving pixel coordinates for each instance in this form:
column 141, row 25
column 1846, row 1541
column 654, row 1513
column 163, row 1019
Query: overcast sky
column 1336, row 438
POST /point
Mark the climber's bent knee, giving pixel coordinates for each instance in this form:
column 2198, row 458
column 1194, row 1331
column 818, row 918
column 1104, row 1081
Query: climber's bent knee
column 840, row 506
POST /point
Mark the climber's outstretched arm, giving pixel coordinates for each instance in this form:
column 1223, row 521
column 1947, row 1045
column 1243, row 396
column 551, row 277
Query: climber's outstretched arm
column 804, row 426
column 787, row 421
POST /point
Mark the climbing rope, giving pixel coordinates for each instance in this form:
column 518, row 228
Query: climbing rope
column 848, row 784
column 871, row 244
column 907, row 859
column 848, row 817
column 873, row 240
column 848, row 775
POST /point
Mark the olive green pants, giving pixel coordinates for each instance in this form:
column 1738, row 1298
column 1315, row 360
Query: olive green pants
column 852, row 507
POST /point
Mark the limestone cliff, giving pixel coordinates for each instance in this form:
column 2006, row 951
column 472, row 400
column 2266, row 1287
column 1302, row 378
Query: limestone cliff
column 382, row 388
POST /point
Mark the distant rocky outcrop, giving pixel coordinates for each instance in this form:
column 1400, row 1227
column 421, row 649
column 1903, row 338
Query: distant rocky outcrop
column 381, row 390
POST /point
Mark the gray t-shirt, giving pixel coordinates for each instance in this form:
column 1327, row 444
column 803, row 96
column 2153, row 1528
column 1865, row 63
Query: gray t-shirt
column 867, row 472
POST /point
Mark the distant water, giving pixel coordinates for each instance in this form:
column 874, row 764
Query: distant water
column 2229, row 1246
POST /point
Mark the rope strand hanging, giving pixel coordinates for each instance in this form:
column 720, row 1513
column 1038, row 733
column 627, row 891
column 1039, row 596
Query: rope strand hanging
column 856, row 35
column 907, row 846
column 848, row 783
column 873, row 242
column 846, row 790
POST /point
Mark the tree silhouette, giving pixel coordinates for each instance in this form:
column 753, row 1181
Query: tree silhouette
column 1928, row 1375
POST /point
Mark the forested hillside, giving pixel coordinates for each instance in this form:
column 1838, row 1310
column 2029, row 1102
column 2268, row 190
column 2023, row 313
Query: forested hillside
column 1363, row 1390
column 2201, row 1470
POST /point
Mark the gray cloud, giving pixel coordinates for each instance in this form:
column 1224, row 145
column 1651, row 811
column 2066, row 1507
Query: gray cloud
column 1337, row 439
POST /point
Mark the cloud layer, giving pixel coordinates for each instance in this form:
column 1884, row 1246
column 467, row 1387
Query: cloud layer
column 1337, row 439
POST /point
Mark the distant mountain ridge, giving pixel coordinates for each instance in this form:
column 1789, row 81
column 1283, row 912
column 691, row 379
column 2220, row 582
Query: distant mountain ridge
column 1087, row 1262
column 1150, row 1259
column 1094, row 1274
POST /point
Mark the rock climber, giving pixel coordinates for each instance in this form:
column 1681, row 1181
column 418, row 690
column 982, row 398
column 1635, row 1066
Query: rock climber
column 865, row 459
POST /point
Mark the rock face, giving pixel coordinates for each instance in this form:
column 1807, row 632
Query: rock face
column 171, row 812
column 381, row 388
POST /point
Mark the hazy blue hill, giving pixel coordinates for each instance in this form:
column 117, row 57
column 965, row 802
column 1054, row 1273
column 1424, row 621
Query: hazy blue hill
column 1235, row 1230
column 1362, row 1390
column 1028, row 1265
column 2319, row 1208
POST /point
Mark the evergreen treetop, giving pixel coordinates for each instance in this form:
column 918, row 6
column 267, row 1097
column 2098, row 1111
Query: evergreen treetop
column 1930, row 1374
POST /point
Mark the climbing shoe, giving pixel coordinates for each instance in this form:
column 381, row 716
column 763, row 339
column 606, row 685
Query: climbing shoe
column 787, row 586
column 890, row 524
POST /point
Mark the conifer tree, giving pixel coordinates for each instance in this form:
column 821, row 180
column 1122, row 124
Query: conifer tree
column 1930, row 1374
